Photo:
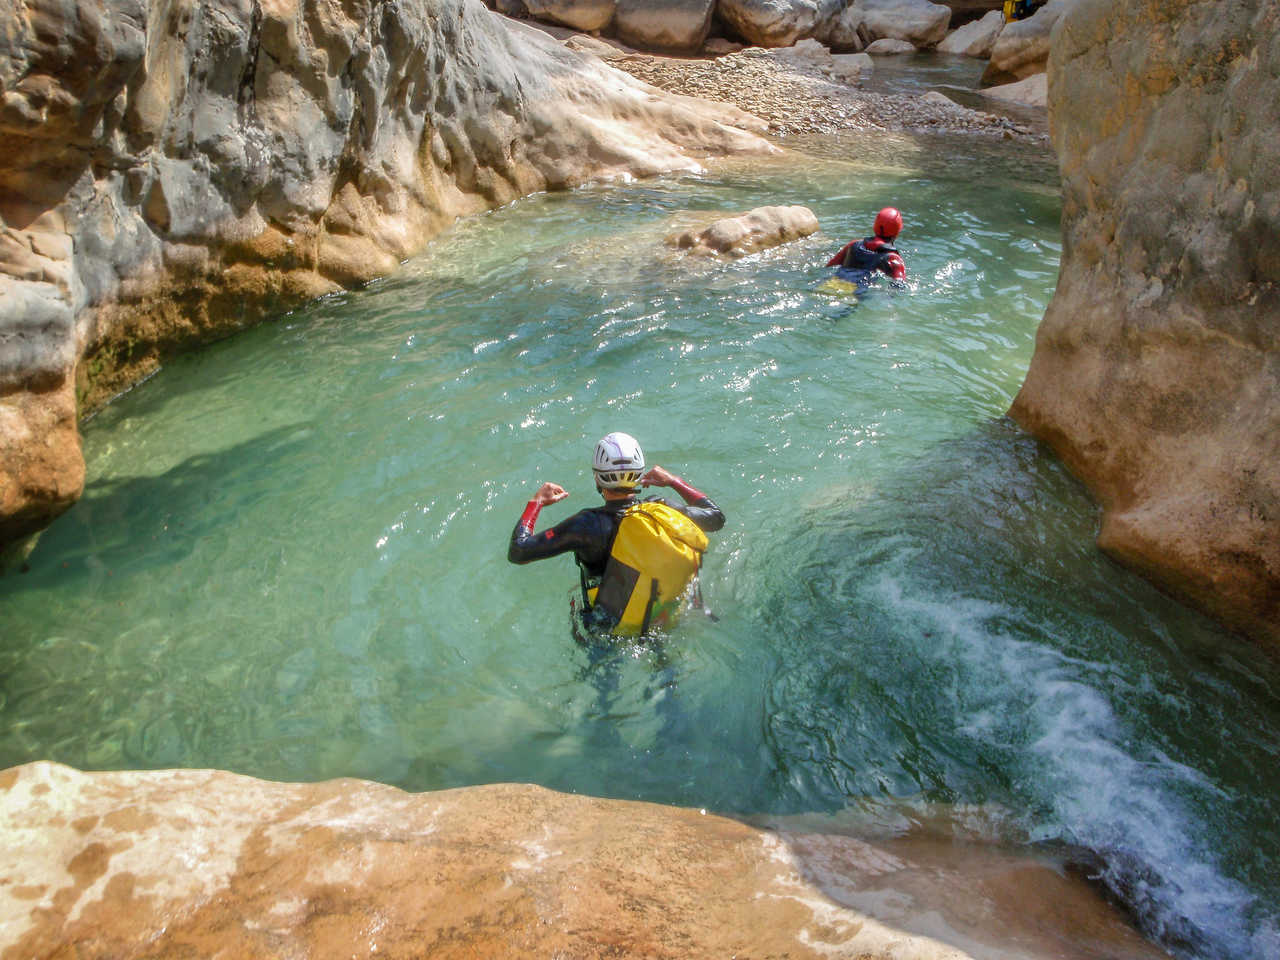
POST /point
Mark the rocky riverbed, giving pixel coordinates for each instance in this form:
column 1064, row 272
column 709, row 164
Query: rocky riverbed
column 798, row 97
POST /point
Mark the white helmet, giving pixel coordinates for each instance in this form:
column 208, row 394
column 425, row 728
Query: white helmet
column 618, row 463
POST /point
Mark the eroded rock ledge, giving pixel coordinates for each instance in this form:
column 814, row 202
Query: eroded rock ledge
column 1156, row 374
column 202, row 863
column 172, row 170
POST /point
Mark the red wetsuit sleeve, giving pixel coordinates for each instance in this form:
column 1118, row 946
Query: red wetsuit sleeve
column 838, row 259
column 530, row 515
column 688, row 493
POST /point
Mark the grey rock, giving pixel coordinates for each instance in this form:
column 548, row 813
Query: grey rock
column 587, row 15
column 680, row 25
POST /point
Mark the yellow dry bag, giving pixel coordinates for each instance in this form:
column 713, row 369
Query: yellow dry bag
column 655, row 556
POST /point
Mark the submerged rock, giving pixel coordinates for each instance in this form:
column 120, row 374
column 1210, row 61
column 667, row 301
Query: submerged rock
column 200, row 863
column 759, row 229
column 1156, row 372
column 263, row 155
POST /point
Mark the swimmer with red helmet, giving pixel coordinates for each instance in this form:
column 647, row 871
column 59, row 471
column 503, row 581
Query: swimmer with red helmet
column 876, row 252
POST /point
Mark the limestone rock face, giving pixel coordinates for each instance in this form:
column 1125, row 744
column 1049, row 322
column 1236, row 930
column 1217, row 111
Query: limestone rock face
column 199, row 863
column 265, row 153
column 1022, row 48
column 919, row 22
column 757, row 230
column 976, row 38
column 664, row 24
column 585, row 15
column 778, row 23
column 1156, row 373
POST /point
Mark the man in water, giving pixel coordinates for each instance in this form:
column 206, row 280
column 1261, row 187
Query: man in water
column 620, row 472
column 876, row 252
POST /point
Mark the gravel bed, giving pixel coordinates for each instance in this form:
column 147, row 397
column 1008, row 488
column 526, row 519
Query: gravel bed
column 797, row 98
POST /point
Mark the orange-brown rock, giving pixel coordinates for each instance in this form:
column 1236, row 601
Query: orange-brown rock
column 1156, row 373
column 172, row 170
column 198, row 863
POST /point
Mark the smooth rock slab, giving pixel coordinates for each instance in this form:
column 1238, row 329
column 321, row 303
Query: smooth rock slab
column 738, row 236
column 200, row 863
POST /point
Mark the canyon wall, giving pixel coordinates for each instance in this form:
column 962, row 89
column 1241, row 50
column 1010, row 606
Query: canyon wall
column 1156, row 373
column 172, row 171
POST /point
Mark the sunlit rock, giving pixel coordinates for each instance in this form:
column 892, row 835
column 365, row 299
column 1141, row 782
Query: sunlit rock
column 265, row 154
column 975, row 38
column 664, row 24
column 1022, row 47
column 889, row 48
column 777, row 23
column 585, row 15
column 199, row 863
column 738, row 236
column 1031, row 92
column 919, row 22
column 1156, row 373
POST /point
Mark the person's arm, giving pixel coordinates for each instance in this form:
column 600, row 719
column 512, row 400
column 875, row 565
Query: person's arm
column 700, row 508
column 892, row 264
column 838, row 259
column 527, row 546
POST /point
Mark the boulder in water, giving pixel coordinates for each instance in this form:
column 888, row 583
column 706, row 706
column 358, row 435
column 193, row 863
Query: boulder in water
column 738, row 236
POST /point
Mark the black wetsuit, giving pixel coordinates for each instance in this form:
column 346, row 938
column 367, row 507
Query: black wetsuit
column 589, row 533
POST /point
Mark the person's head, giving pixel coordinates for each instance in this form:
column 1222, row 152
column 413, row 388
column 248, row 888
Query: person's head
column 618, row 465
column 888, row 223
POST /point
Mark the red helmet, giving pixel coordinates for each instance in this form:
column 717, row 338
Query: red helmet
column 888, row 223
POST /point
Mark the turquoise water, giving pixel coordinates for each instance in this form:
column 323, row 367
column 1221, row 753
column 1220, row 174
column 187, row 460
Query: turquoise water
column 290, row 557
